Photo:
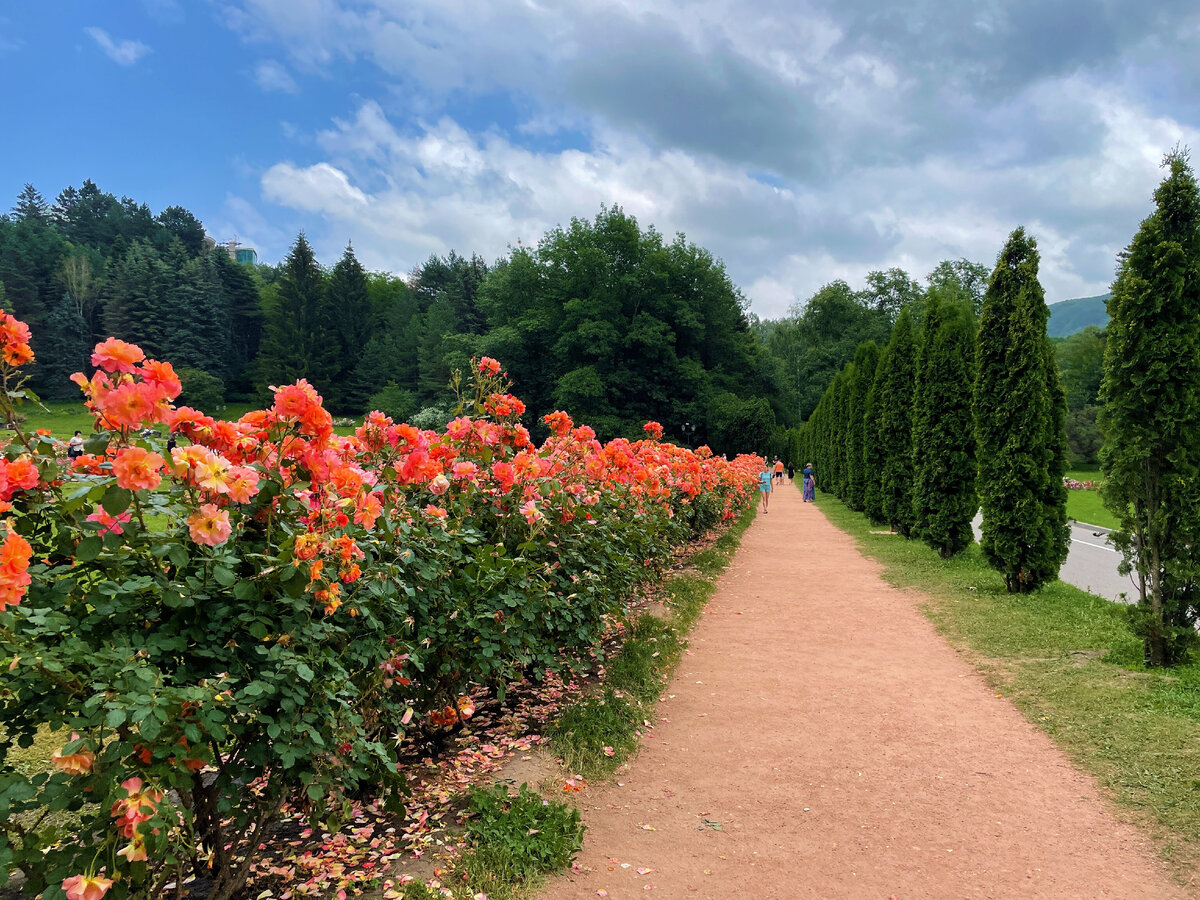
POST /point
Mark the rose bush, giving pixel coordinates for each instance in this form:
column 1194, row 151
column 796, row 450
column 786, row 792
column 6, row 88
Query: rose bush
column 257, row 616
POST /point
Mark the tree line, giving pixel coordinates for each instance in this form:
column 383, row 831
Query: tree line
column 961, row 409
column 966, row 408
column 603, row 318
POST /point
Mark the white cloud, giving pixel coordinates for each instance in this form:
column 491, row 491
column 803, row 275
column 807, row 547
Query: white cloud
column 122, row 52
column 890, row 136
column 271, row 75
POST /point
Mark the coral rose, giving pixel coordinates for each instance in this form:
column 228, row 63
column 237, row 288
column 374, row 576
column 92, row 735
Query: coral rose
column 209, row 525
column 77, row 763
column 137, row 469
column 117, row 356
column 86, row 887
column 15, row 554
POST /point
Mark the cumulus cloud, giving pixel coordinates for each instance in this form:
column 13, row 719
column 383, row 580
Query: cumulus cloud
column 122, row 52
column 272, row 75
column 800, row 141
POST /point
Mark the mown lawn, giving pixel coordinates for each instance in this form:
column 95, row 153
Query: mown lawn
column 1069, row 662
column 1086, row 506
column 64, row 417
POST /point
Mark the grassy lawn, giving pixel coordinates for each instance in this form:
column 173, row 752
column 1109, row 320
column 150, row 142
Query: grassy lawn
column 1086, row 506
column 64, row 417
column 1068, row 661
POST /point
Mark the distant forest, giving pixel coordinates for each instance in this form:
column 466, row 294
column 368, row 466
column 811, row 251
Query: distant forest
column 603, row 318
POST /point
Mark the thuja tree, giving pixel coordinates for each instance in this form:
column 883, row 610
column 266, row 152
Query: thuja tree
column 866, row 361
column 1151, row 414
column 872, row 458
column 1019, row 425
column 944, row 500
column 895, row 402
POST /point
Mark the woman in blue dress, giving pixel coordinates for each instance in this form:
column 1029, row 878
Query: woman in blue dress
column 810, row 484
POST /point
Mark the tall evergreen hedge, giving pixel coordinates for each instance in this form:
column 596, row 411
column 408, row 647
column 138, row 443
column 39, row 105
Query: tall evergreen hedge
column 944, row 500
column 895, row 401
column 1151, row 414
column 862, row 376
column 1019, row 416
column 873, row 458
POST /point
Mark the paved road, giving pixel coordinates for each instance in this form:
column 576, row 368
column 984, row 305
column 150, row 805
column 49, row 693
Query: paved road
column 1091, row 563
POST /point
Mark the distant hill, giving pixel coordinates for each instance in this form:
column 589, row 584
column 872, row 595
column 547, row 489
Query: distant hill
column 1071, row 316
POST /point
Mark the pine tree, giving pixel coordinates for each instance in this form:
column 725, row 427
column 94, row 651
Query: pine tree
column 1151, row 413
column 299, row 339
column 31, row 206
column 64, row 350
column 895, row 424
column 133, row 308
column 866, row 362
column 245, row 321
column 353, row 317
column 1021, row 444
column 944, row 500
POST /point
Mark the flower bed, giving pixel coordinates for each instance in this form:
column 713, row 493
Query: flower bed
column 257, row 618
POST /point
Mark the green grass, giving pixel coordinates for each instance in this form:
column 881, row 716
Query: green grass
column 595, row 736
column 64, row 417
column 1086, row 506
column 1069, row 662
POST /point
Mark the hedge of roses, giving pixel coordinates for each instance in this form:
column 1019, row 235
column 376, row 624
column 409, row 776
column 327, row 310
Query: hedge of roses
column 259, row 614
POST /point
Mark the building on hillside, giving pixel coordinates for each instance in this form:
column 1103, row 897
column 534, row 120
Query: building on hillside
column 241, row 254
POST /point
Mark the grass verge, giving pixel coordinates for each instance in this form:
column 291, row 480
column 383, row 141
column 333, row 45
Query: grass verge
column 1069, row 662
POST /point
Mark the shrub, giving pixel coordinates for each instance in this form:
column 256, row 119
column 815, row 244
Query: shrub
column 247, row 623
column 399, row 404
column 201, row 390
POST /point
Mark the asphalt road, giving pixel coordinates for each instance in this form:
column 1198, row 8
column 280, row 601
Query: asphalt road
column 1092, row 563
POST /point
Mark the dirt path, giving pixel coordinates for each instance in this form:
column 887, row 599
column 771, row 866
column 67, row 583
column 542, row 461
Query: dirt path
column 821, row 740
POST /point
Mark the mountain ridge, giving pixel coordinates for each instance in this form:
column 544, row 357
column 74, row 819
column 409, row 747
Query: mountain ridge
column 1070, row 316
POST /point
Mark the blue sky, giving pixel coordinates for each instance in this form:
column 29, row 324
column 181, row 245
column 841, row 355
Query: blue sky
column 798, row 141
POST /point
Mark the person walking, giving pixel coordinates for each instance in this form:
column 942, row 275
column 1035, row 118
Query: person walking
column 764, row 484
column 778, row 469
column 810, row 484
column 75, row 446
column 791, row 473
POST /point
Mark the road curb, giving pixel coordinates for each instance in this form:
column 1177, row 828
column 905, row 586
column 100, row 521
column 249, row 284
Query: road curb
column 1096, row 529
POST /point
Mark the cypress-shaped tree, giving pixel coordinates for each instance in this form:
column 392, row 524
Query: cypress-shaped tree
column 944, row 500
column 873, row 447
column 1020, row 441
column 866, row 362
column 1151, row 414
column 299, row 338
column 895, row 424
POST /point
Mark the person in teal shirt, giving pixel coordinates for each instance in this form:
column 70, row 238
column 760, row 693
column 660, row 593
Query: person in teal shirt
column 764, row 484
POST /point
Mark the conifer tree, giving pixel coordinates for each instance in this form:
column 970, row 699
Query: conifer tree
column 1021, row 444
column 872, row 446
column 352, row 314
column 866, row 361
column 299, row 339
column 944, row 500
column 1151, row 414
column 895, row 424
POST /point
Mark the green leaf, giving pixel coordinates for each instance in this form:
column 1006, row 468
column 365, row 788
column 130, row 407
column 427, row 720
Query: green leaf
column 224, row 577
column 304, row 671
column 88, row 549
column 116, row 500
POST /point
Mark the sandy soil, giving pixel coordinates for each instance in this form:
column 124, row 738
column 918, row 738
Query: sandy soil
column 821, row 740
